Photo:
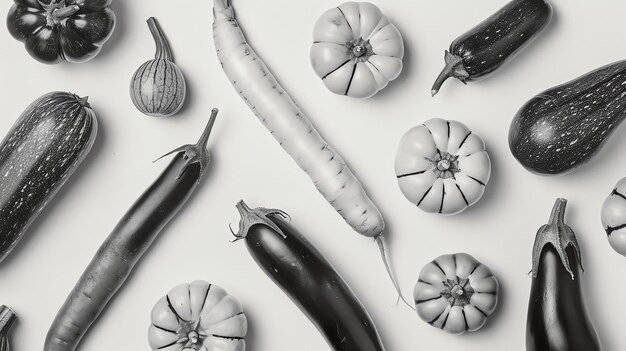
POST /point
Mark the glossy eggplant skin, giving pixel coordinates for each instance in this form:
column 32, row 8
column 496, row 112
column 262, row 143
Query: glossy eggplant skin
column 131, row 238
column 563, row 127
column 487, row 46
column 556, row 308
column 557, row 317
column 42, row 150
column 301, row 271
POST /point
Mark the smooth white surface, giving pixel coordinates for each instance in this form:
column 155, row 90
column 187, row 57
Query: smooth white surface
column 248, row 163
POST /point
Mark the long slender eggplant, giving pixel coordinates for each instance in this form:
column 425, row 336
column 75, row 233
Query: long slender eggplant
column 487, row 46
column 557, row 318
column 130, row 239
column 308, row 279
column 565, row 126
column 42, row 150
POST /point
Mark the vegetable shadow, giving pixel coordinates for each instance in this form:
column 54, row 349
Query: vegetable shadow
column 38, row 227
column 119, row 7
column 189, row 94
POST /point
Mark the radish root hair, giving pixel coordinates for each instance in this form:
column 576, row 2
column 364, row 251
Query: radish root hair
column 383, row 253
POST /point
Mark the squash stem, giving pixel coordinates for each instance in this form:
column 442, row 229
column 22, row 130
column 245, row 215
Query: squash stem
column 163, row 50
column 64, row 12
column 383, row 253
column 7, row 318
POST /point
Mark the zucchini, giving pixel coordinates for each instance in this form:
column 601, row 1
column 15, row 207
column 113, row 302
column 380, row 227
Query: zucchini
column 42, row 150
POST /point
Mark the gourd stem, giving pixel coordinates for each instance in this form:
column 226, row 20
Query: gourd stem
column 7, row 318
column 65, row 12
column 383, row 253
column 557, row 217
column 163, row 50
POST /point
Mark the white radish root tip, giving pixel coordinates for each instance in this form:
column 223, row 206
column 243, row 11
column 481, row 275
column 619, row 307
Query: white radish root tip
column 383, row 253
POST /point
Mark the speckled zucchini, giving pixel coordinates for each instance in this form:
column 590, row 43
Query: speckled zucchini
column 484, row 48
column 563, row 127
column 40, row 152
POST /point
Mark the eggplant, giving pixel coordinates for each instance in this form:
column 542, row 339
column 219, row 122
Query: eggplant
column 42, row 150
column 311, row 282
column 565, row 126
column 557, row 317
column 131, row 238
column 484, row 48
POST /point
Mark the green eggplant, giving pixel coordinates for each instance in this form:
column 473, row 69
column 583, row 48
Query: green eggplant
column 565, row 126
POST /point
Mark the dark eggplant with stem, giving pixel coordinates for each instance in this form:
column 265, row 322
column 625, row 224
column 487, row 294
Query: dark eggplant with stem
column 565, row 126
column 311, row 282
column 557, row 318
column 487, row 46
column 46, row 145
column 130, row 239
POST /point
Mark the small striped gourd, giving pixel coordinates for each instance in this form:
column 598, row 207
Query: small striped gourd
column 158, row 87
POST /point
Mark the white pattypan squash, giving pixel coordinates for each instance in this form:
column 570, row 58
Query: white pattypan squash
column 198, row 316
column 442, row 166
column 356, row 50
column 456, row 293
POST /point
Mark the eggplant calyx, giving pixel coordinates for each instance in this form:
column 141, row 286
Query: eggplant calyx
column 560, row 236
column 7, row 318
column 454, row 68
column 198, row 152
column 259, row 215
column 82, row 101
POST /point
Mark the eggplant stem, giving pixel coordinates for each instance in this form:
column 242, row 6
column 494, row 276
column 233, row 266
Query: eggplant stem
column 259, row 215
column 454, row 68
column 383, row 253
column 197, row 153
column 163, row 50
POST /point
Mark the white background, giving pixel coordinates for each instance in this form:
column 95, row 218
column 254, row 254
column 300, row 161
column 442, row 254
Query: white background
column 248, row 163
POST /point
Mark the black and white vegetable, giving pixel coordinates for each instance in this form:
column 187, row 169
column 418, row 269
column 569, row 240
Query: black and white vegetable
column 158, row 87
column 132, row 237
column 7, row 319
column 614, row 217
column 42, row 150
column 557, row 316
column 563, row 127
column 442, row 166
column 456, row 293
column 356, row 50
column 302, row 272
column 491, row 43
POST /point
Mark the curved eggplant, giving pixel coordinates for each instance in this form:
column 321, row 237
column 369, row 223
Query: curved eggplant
column 45, row 146
column 557, row 318
column 308, row 279
column 563, row 127
column 484, row 48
